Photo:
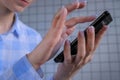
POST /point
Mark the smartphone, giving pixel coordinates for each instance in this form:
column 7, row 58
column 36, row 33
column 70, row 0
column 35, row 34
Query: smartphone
column 104, row 19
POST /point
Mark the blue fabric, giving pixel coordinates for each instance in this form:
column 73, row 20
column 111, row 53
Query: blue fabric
column 14, row 45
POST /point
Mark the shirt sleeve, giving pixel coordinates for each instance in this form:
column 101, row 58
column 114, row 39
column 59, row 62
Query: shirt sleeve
column 22, row 70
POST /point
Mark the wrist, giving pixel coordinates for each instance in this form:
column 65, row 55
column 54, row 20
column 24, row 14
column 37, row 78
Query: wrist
column 31, row 60
column 58, row 77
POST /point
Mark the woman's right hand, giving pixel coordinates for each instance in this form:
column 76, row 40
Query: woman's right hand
column 58, row 32
column 44, row 50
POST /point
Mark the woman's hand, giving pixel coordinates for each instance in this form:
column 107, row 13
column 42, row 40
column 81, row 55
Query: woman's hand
column 71, row 23
column 57, row 34
column 85, row 51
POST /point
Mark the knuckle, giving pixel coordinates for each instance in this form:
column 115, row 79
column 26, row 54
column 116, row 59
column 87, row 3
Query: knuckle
column 81, row 56
column 68, row 60
column 90, row 50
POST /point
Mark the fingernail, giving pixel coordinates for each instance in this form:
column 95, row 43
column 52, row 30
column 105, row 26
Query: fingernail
column 67, row 42
column 62, row 9
column 75, row 1
column 105, row 27
column 81, row 33
column 84, row 1
column 91, row 29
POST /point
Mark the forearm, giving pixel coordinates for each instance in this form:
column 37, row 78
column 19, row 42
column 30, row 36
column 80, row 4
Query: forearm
column 21, row 70
column 59, row 77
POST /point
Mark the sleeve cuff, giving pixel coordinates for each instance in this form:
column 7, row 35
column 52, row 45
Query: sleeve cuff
column 23, row 68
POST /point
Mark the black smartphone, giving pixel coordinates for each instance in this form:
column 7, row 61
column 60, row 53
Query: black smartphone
column 104, row 19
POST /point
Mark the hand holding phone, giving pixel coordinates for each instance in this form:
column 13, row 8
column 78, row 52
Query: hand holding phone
column 104, row 19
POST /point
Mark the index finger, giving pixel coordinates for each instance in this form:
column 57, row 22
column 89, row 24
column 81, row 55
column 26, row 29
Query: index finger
column 76, row 5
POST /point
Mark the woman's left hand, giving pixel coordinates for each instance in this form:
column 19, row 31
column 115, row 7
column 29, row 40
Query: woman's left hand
column 85, row 51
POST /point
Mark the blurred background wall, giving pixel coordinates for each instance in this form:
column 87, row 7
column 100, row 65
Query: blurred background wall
column 106, row 62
